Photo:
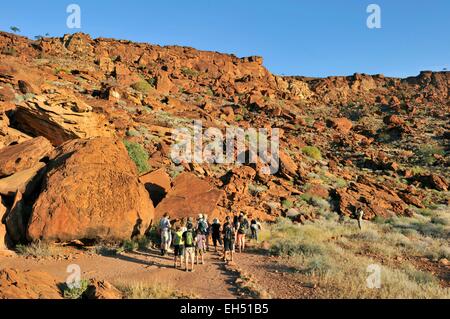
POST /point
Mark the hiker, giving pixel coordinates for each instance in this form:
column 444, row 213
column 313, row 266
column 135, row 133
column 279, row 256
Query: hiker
column 189, row 246
column 202, row 231
column 255, row 228
column 200, row 243
column 166, row 235
column 228, row 238
column 215, row 233
column 236, row 226
column 184, row 222
column 243, row 227
column 207, row 232
column 178, row 245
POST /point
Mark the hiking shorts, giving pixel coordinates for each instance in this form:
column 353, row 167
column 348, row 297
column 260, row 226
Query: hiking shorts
column 240, row 237
column 228, row 245
column 201, row 241
column 178, row 250
column 216, row 239
column 189, row 252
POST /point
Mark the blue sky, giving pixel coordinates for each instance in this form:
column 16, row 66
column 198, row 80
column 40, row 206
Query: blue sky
column 295, row 37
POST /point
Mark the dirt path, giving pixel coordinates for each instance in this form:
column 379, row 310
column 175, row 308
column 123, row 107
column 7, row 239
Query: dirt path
column 212, row 280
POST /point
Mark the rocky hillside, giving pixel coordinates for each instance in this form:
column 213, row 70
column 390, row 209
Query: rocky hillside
column 72, row 107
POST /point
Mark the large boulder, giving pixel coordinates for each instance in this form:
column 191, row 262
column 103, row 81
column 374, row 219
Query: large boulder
column 157, row 183
column 91, row 191
column 15, row 220
column 375, row 199
column 25, row 182
column 3, row 240
column 9, row 135
column 60, row 117
column 188, row 197
column 15, row 284
column 101, row 290
column 16, row 158
column 342, row 125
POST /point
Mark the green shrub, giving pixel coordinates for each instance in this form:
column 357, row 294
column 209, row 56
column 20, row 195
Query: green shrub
column 312, row 152
column 152, row 82
column 255, row 189
column 133, row 133
column 142, row 86
column 189, row 72
column 9, row 51
column 37, row 249
column 139, row 156
column 151, row 291
column 129, row 245
column 76, row 292
column 287, row 204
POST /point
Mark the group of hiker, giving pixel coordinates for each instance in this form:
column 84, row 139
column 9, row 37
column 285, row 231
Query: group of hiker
column 191, row 239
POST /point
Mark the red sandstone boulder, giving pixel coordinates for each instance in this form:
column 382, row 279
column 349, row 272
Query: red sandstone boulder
column 342, row 125
column 91, row 191
column 188, row 197
column 23, row 156
column 375, row 199
column 15, row 284
column 101, row 290
column 157, row 183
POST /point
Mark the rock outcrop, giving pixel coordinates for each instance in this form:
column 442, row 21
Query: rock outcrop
column 188, row 197
column 91, row 191
column 15, row 284
column 23, row 156
column 59, row 117
column 373, row 198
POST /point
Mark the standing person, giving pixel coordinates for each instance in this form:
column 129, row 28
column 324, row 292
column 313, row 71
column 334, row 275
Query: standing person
column 207, row 232
column 189, row 244
column 241, row 232
column 178, row 244
column 202, row 228
column 236, row 227
column 255, row 227
column 184, row 222
column 166, row 235
column 215, row 233
column 200, row 247
column 228, row 238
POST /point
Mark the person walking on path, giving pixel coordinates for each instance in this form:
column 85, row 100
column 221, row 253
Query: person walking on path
column 228, row 239
column 189, row 244
column 166, row 235
column 243, row 227
column 178, row 245
column 215, row 233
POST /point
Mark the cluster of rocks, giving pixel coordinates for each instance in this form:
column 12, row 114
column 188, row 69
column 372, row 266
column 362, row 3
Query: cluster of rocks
column 66, row 104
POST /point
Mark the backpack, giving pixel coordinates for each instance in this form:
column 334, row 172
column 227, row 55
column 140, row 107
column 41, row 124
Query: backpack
column 229, row 233
column 243, row 226
column 202, row 227
column 178, row 239
column 189, row 240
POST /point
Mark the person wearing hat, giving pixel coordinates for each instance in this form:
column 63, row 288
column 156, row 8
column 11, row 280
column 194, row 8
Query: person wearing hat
column 166, row 234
